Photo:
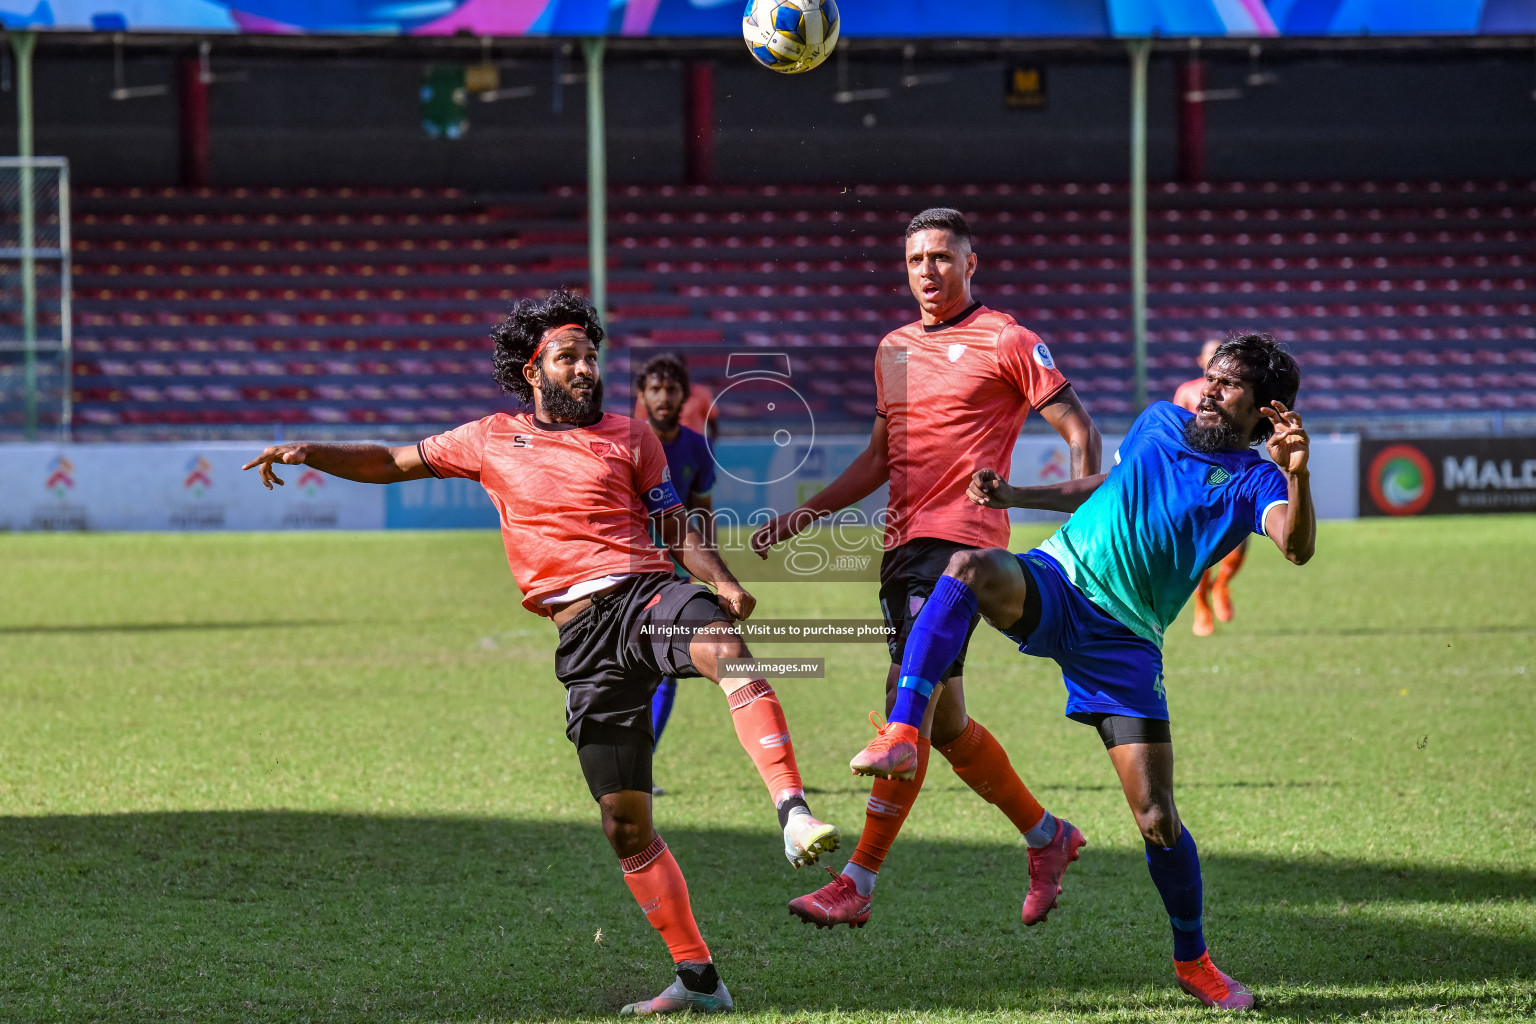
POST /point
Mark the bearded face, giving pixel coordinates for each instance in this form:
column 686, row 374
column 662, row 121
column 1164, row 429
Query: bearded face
column 581, row 402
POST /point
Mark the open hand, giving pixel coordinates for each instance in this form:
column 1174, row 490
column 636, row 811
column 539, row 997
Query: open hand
column 988, row 488
column 1288, row 445
column 292, row 454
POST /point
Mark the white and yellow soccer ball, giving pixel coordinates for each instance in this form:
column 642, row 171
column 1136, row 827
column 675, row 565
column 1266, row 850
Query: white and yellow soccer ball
column 790, row 36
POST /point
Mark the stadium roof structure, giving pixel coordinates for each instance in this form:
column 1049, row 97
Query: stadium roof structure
column 870, row 19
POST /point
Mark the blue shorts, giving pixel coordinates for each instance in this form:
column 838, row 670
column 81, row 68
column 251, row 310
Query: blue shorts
column 1107, row 669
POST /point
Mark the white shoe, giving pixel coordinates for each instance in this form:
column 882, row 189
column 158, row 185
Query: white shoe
column 805, row 839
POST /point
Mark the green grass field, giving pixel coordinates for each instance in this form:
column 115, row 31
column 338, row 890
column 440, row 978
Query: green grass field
column 324, row 778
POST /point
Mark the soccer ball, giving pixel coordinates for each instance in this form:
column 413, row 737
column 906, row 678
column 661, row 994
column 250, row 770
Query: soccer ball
column 790, row 36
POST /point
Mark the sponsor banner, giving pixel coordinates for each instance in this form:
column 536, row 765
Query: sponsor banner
column 1447, row 476
column 451, row 504
column 879, row 19
column 149, row 487
column 201, row 487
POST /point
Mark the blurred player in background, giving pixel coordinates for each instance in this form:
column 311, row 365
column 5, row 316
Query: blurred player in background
column 953, row 390
column 698, row 412
column 1098, row 594
column 577, row 491
column 1214, row 588
column 663, row 386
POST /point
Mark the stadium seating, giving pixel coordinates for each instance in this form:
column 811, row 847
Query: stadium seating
column 204, row 312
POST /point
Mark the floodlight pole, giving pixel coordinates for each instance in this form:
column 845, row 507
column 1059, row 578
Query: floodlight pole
column 1141, row 50
column 22, row 43
column 597, row 178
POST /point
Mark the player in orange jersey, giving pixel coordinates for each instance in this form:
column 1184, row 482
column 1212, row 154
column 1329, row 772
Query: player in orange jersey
column 1215, row 585
column 698, row 412
column 953, row 389
column 577, row 491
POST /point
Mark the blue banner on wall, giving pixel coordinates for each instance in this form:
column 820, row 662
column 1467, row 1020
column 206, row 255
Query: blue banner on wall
column 884, row 19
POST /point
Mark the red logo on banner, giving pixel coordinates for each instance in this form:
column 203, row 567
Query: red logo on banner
column 1401, row 480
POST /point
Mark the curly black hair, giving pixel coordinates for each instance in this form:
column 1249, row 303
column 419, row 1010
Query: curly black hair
column 521, row 330
column 667, row 366
column 1269, row 367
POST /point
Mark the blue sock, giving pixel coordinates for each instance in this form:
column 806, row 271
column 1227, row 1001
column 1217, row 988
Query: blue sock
column 661, row 707
column 932, row 646
column 1176, row 873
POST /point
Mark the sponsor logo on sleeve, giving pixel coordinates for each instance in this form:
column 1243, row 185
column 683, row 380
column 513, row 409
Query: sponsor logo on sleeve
column 1043, row 356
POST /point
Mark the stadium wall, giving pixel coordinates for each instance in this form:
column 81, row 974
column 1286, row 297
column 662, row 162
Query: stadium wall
column 200, row 487
column 356, row 121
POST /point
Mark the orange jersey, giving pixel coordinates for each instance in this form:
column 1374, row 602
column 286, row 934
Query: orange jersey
column 1187, row 397
column 575, row 504
column 954, row 400
column 698, row 409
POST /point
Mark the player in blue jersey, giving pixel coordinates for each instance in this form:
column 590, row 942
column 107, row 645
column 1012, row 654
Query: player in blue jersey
column 1097, row 595
column 663, row 386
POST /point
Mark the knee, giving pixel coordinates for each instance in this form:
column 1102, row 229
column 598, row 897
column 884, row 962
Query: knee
column 992, row 575
column 627, row 834
column 1159, row 822
column 971, row 567
column 718, row 642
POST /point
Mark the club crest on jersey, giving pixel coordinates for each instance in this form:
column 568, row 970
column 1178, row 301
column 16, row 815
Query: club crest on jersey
column 955, row 352
column 1216, row 476
column 522, row 441
column 602, row 447
column 1043, row 356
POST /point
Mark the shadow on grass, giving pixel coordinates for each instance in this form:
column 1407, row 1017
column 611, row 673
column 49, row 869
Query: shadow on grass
column 279, row 915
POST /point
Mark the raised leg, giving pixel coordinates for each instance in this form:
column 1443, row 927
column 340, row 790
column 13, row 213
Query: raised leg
column 764, row 734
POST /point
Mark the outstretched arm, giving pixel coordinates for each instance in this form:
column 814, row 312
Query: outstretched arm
column 703, row 562
column 864, row 475
column 365, row 463
column 1292, row 526
column 992, row 491
column 1076, row 427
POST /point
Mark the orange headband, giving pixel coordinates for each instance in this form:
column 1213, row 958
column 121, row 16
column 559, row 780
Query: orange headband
column 549, row 336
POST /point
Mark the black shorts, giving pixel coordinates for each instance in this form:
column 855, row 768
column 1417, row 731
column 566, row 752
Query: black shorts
column 612, row 654
column 614, row 758
column 1118, row 730
column 908, row 574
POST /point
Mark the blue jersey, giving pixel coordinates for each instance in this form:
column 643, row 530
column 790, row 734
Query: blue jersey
column 1139, row 545
column 693, row 473
column 692, row 465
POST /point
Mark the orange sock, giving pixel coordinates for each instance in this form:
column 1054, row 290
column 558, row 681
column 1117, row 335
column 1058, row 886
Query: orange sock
column 1203, row 588
column 1229, row 565
column 890, row 800
column 764, row 734
column 982, row 764
column 657, row 882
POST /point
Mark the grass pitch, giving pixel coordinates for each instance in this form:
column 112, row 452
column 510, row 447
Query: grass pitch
column 324, row 778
